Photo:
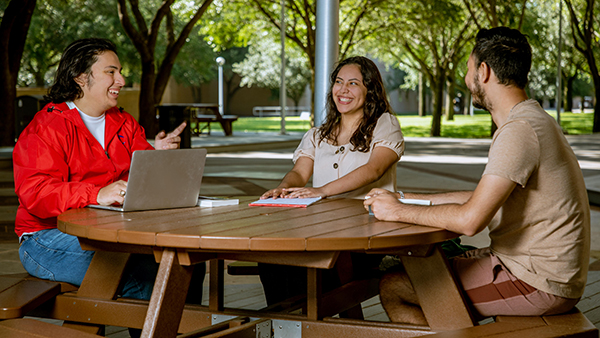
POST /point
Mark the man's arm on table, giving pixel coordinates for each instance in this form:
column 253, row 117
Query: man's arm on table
column 465, row 213
column 454, row 197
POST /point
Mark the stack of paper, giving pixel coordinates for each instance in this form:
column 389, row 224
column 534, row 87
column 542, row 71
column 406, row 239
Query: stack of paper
column 205, row 201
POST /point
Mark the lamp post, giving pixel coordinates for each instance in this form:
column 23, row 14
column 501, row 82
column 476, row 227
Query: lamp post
column 282, row 93
column 221, row 61
column 559, row 66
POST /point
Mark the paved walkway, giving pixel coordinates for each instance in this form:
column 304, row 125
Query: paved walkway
column 251, row 163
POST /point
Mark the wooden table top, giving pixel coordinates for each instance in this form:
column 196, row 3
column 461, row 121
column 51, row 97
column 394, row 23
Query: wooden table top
column 328, row 225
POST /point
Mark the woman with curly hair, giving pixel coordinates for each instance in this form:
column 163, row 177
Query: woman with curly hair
column 355, row 150
column 357, row 147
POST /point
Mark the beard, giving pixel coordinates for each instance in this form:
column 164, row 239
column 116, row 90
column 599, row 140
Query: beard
column 479, row 97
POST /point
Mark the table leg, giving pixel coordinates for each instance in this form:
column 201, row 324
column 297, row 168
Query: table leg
column 217, row 285
column 168, row 297
column 101, row 281
column 439, row 296
column 345, row 271
column 104, row 275
column 314, row 293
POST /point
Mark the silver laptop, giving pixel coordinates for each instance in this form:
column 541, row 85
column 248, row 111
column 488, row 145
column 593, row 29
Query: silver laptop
column 163, row 179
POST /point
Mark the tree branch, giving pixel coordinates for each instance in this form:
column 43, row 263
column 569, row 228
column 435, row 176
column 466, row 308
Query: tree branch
column 468, row 5
column 575, row 29
column 171, row 55
column 522, row 16
column 139, row 18
column 138, row 40
column 162, row 11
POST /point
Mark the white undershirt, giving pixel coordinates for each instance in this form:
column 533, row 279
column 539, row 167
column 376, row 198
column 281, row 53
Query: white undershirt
column 94, row 124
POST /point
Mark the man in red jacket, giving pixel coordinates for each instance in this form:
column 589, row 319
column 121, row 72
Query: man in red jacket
column 77, row 151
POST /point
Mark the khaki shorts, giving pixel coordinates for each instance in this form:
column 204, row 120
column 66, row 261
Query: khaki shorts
column 493, row 291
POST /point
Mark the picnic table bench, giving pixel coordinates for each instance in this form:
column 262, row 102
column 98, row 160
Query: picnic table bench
column 195, row 114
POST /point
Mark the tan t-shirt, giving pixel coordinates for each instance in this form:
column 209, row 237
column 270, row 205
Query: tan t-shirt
column 542, row 232
column 332, row 162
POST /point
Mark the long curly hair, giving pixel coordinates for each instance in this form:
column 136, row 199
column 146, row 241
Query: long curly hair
column 77, row 59
column 376, row 103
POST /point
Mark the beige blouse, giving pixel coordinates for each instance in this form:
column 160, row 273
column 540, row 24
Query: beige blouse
column 332, row 162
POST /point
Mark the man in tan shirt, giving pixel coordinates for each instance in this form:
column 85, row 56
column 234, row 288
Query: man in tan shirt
column 531, row 196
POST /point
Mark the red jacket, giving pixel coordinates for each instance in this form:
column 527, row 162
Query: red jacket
column 59, row 165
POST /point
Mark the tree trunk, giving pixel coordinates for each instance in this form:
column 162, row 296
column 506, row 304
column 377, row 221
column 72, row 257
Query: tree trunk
column 450, row 89
column 467, row 103
column 596, row 79
column 148, row 100
column 8, row 94
column 422, row 96
column 197, row 93
column 13, row 32
column 596, row 126
column 568, row 104
column 438, row 96
column 312, row 101
column 586, row 33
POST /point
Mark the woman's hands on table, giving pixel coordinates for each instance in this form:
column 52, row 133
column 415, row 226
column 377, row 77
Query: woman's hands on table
column 294, row 193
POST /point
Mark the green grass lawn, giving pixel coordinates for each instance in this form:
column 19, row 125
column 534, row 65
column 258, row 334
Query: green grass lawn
column 463, row 126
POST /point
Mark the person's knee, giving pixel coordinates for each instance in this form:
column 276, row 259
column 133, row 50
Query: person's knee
column 50, row 254
column 390, row 282
column 396, row 286
column 139, row 277
column 399, row 299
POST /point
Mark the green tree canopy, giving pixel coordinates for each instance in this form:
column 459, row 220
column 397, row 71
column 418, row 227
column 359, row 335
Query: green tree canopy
column 263, row 63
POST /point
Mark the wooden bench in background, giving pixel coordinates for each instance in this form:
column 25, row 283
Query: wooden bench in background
column 172, row 114
column 203, row 123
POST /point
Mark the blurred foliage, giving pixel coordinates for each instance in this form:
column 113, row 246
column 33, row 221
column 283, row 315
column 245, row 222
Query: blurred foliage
column 408, row 36
column 57, row 23
column 262, row 68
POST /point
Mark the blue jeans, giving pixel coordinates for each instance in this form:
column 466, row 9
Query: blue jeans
column 54, row 255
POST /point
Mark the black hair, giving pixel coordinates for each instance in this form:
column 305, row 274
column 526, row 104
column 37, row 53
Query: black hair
column 376, row 104
column 507, row 52
column 76, row 59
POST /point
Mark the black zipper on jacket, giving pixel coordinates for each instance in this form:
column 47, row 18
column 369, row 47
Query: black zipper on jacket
column 106, row 152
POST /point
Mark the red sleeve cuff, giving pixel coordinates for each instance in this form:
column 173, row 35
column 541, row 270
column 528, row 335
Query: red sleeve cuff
column 93, row 199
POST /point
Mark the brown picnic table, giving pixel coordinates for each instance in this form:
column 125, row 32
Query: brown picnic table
column 312, row 237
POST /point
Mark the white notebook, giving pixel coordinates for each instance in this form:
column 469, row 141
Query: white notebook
column 209, row 202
